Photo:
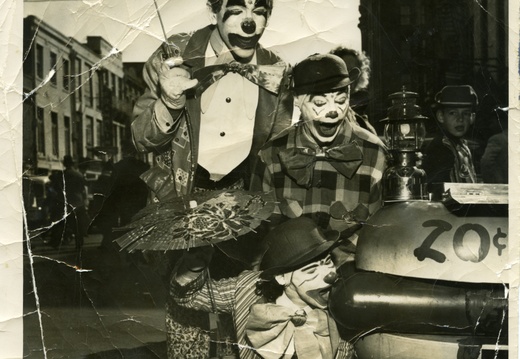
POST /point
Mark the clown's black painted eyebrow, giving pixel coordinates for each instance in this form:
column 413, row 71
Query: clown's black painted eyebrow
column 258, row 3
column 231, row 3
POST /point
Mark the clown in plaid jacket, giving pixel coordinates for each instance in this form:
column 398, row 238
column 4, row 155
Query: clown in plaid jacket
column 319, row 189
column 325, row 166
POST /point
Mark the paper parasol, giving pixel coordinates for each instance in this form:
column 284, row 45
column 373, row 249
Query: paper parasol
column 196, row 220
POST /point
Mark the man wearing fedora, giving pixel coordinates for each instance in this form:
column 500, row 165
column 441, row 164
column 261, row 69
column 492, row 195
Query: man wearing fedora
column 324, row 166
column 281, row 310
column 448, row 158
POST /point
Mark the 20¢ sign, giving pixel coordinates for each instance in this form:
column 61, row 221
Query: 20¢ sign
column 425, row 240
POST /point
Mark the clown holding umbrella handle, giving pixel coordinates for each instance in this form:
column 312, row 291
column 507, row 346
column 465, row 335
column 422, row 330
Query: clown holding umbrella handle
column 174, row 81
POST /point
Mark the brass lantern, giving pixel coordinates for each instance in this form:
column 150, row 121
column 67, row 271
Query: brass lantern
column 404, row 135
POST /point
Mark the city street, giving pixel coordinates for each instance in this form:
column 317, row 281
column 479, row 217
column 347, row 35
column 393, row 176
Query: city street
column 112, row 306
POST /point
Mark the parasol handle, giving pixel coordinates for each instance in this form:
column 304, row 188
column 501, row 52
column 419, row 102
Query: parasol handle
column 214, row 332
column 169, row 48
column 210, row 291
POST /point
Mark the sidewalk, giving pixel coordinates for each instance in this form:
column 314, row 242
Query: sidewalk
column 111, row 307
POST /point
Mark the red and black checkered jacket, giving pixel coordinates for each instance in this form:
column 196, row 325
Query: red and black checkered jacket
column 361, row 194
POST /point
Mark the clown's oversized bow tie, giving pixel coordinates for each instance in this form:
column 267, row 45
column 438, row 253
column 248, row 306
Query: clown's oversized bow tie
column 271, row 327
column 298, row 162
column 267, row 76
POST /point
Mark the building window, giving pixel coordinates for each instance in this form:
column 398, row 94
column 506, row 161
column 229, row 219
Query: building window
column 66, row 74
column 422, row 14
column 99, row 132
column 86, row 85
column 68, row 135
column 39, row 61
column 74, row 136
column 55, row 134
column 79, row 82
column 103, row 85
column 54, row 59
column 113, row 84
column 89, row 132
column 406, row 15
column 115, row 135
column 40, row 131
column 90, row 99
column 120, row 89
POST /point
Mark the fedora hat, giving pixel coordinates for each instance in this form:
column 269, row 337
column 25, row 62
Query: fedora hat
column 457, row 96
column 322, row 73
column 295, row 243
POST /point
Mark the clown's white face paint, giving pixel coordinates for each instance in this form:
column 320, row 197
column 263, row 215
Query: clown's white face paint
column 240, row 24
column 323, row 114
column 310, row 285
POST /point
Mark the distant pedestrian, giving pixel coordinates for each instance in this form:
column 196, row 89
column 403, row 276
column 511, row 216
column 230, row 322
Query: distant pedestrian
column 101, row 211
column 55, row 205
column 76, row 199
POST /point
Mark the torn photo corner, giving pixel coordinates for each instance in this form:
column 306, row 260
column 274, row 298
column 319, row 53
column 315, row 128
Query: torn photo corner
column 104, row 121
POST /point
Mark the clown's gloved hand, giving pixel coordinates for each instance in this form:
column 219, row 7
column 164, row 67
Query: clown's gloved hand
column 174, row 81
column 193, row 262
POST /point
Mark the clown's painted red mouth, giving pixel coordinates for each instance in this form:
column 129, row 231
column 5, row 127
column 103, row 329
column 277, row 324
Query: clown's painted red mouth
column 243, row 42
column 327, row 129
column 325, row 294
column 321, row 296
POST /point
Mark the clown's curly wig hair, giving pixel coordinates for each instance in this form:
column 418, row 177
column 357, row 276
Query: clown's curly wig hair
column 353, row 59
column 269, row 289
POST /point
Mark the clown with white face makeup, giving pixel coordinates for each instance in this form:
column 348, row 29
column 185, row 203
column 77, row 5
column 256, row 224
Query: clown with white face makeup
column 204, row 115
column 324, row 114
column 322, row 89
column 325, row 166
column 281, row 310
column 219, row 99
column 240, row 24
column 309, row 285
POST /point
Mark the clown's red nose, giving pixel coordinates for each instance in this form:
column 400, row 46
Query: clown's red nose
column 330, row 278
column 249, row 26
